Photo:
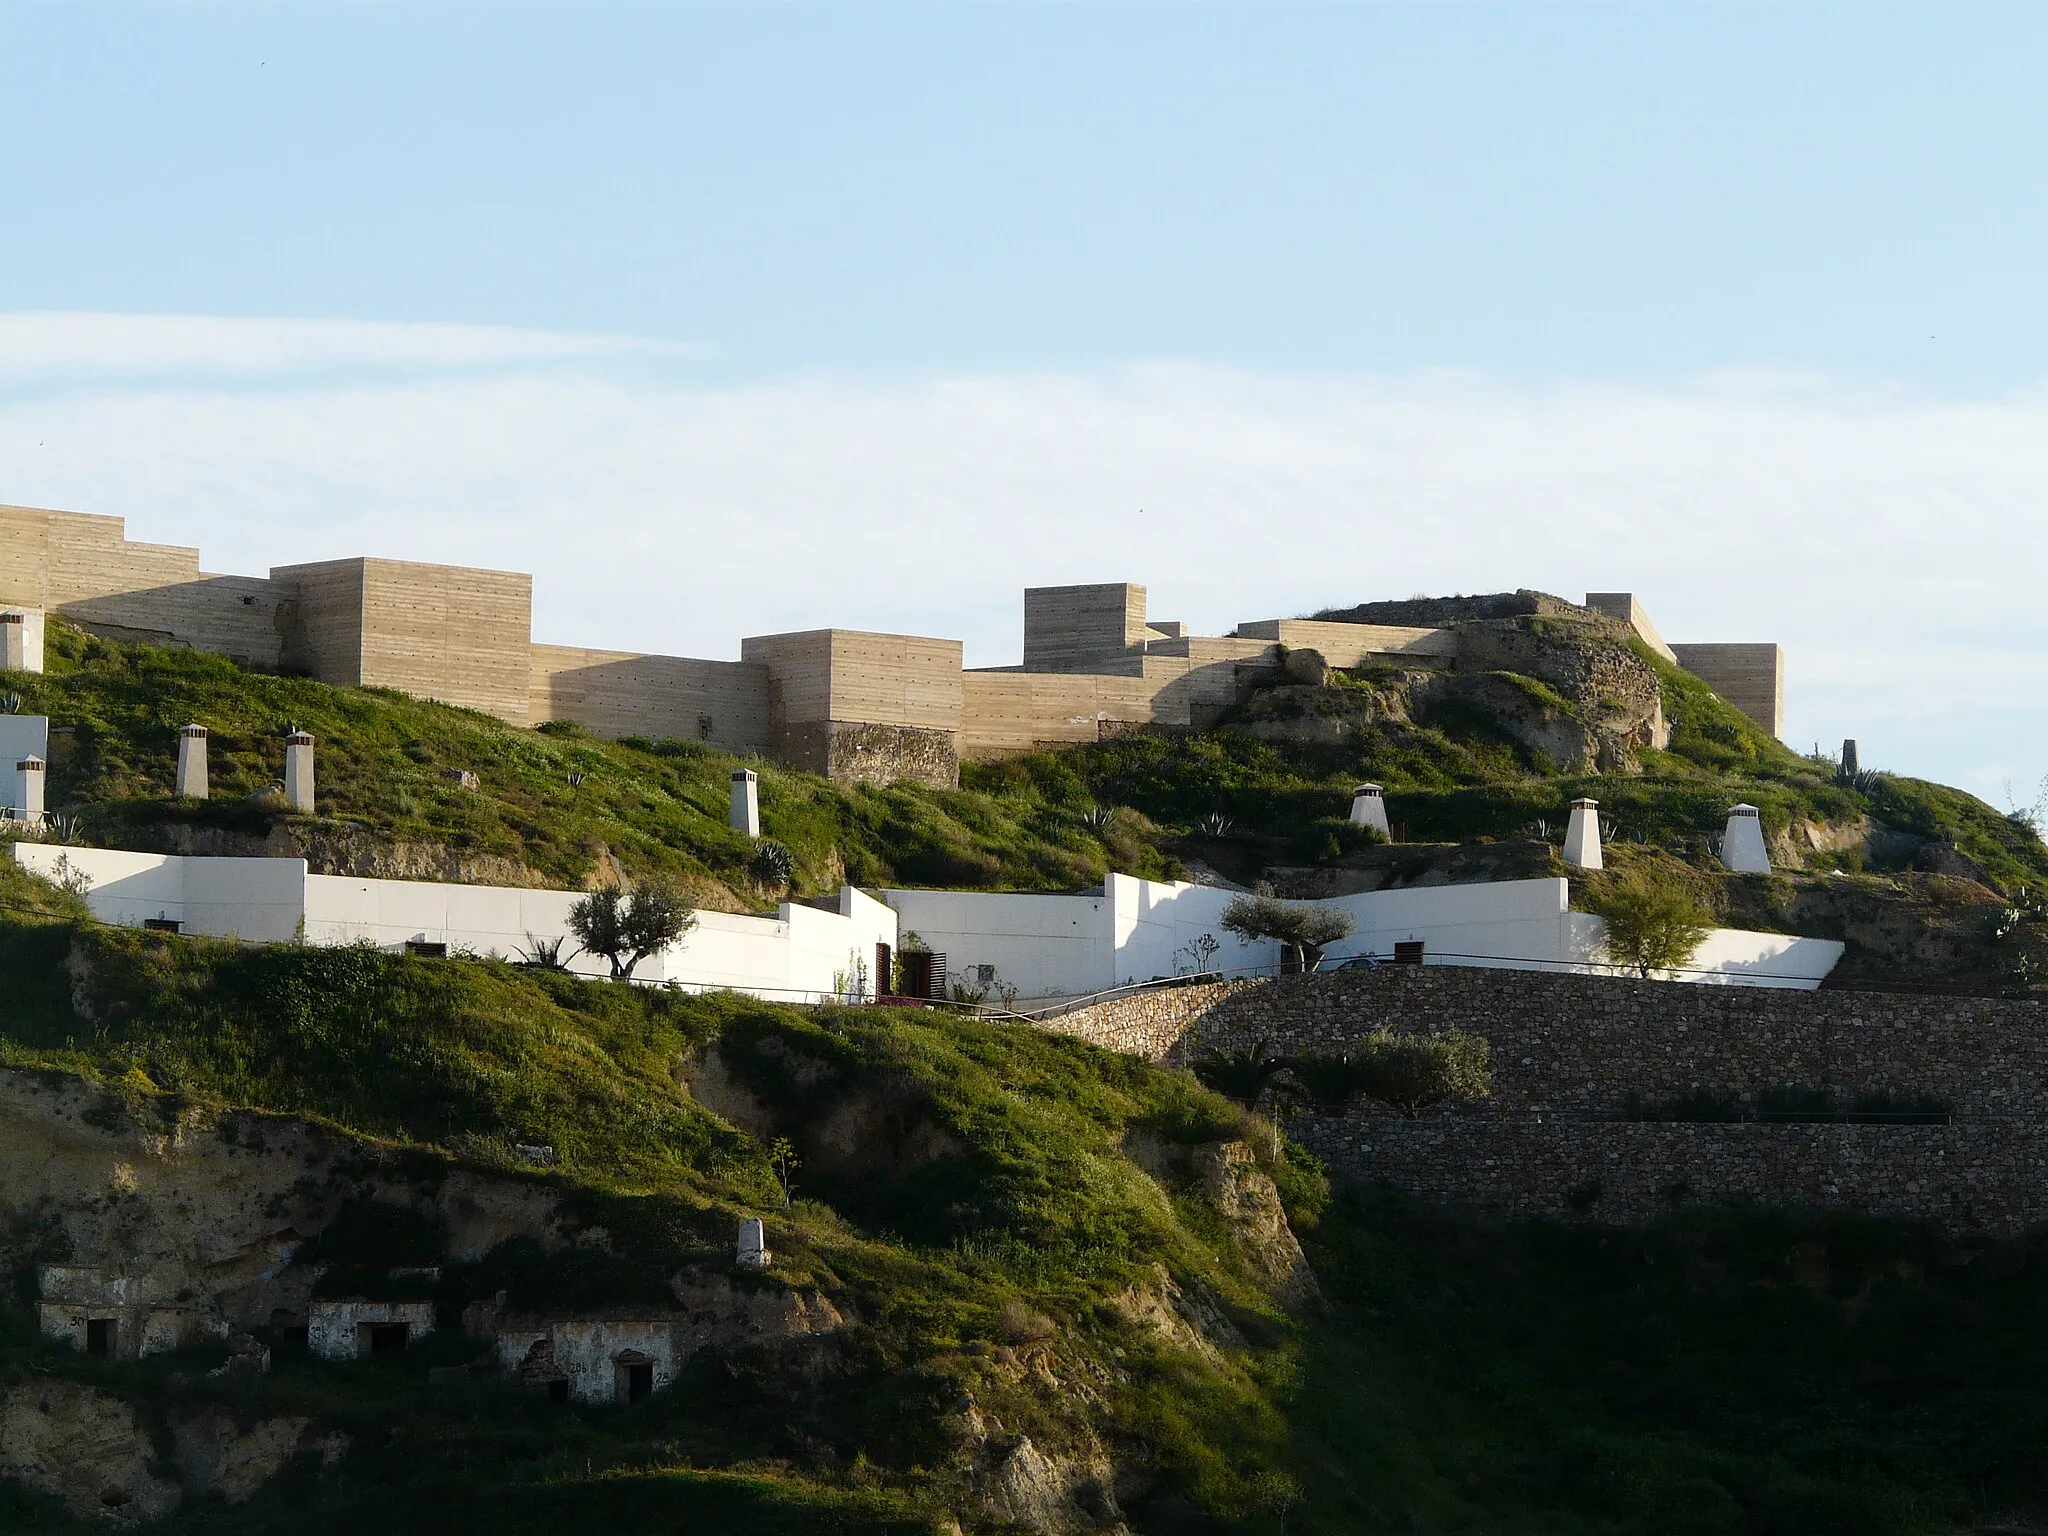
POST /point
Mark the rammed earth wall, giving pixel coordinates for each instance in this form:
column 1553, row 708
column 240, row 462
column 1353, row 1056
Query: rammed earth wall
column 1570, row 1054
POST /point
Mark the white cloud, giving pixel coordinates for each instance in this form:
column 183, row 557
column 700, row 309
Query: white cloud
column 44, row 348
column 1890, row 542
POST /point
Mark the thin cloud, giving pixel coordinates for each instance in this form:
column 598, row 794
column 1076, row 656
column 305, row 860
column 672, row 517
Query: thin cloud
column 1889, row 541
column 65, row 345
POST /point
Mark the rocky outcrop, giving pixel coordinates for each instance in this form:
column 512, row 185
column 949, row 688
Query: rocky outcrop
column 1245, row 1194
column 1597, row 704
column 101, row 1455
column 204, row 1207
column 337, row 848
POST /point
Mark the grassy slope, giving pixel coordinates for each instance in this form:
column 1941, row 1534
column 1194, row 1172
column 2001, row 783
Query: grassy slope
column 1456, row 776
column 1021, row 824
column 385, row 764
column 1035, row 1213
column 1752, row 1372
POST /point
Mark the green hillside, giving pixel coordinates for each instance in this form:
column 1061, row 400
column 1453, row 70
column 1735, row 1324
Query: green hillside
column 1740, row 1373
column 558, row 800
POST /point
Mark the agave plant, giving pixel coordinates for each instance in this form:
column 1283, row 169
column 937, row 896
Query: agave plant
column 1097, row 816
column 1216, row 824
column 546, row 954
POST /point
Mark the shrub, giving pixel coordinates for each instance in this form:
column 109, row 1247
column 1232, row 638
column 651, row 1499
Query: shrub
column 1414, row 1072
column 1652, row 928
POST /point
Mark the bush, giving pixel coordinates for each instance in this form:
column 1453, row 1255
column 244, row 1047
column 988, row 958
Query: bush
column 1652, row 928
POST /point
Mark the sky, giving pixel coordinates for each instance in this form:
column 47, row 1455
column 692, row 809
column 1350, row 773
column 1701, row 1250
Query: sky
column 725, row 319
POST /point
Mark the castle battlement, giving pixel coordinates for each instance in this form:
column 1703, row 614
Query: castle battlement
column 848, row 703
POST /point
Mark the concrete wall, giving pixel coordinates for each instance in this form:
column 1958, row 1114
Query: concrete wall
column 1357, row 645
column 85, row 568
column 453, row 633
column 792, row 957
column 1750, row 676
column 861, row 706
column 1006, row 712
column 620, row 693
column 1623, row 606
column 260, row 900
column 1066, row 628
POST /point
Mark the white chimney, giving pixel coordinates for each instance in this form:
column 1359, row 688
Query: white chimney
column 1369, row 809
column 1582, row 836
column 753, row 1249
column 298, row 772
column 14, row 642
column 1742, row 845
column 27, row 801
column 746, row 804
column 192, row 763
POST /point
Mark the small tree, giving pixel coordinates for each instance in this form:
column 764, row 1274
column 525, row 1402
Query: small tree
column 1651, row 929
column 625, row 929
column 784, row 1162
column 1303, row 931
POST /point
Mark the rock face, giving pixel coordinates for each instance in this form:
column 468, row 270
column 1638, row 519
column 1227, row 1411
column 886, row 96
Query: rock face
column 86, row 1448
column 1612, row 705
column 1242, row 1191
column 101, row 1456
column 169, row 1203
column 1569, row 688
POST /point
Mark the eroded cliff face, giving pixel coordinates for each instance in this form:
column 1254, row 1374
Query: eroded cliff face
column 103, row 1457
column 1569, row 689
column 208, row 1206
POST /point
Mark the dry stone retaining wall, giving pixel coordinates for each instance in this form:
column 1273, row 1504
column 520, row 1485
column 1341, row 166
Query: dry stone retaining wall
column 1571, row 1053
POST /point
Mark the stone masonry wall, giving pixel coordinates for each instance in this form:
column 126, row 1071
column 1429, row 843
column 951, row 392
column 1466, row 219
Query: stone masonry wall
column 1569, row 1053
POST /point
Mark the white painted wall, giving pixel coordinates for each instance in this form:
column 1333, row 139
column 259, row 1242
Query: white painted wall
column 793, row 956
column 260, row 900
column 1499, row 923
column 1045, row 946
column 31, row 637
column 1139, row 930
column 1729, row 957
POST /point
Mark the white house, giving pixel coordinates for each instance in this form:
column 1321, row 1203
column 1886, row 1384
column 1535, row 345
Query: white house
column 1044, row 946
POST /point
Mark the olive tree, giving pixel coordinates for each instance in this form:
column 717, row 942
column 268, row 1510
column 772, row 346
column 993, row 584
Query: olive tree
column 1651, row 928
column 1304, row 931
column 625, row 928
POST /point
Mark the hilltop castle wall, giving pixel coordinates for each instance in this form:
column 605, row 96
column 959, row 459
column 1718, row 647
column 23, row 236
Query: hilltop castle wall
column 852, row 704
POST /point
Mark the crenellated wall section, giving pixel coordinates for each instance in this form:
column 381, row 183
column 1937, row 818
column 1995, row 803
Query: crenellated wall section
column 853, row 704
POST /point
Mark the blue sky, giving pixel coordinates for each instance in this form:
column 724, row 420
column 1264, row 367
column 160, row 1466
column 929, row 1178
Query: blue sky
column 868, row 313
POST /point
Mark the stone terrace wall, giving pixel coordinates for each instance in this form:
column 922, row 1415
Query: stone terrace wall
column 1987, row 1176
column 1583, row 1044
column 1569, row 1052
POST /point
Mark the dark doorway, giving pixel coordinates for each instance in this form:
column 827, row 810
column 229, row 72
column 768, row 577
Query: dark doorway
column 558, row 1391
column 99, row 1337
column 885, row 981
column 389, row 1338
column 635, row 1379
column 1408, row 951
